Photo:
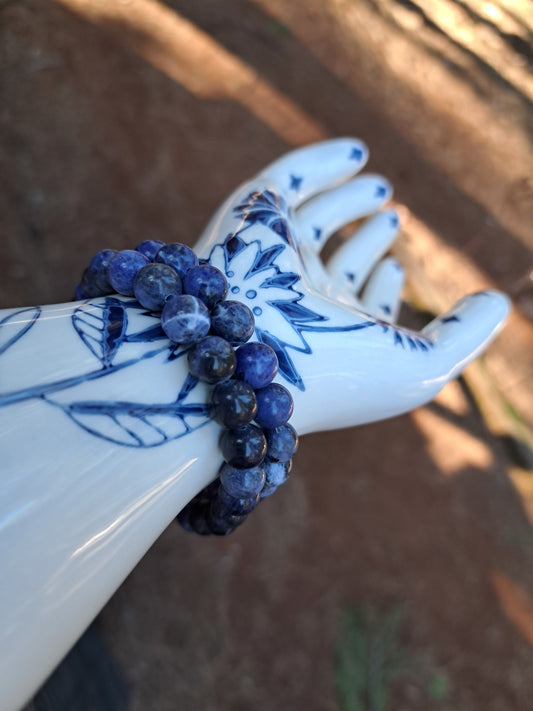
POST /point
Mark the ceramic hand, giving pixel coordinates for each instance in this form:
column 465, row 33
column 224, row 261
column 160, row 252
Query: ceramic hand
column 99, row 447
column 333, row 325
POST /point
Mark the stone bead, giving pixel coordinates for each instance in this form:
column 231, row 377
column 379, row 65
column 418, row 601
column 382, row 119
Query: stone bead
column 178, row 256
column 185, row 319
column 276, row 474
column 225, row 504
column 242, row 483
column 233, row 321
column 234, row 403
column 282, row 443
column 123, row 269
column 257, row 364
column 243, row 448
column 209, row 492
column 95, row 279
column 154, row 284
column 196, row 518
column 274, row 405
column 150, row 247
column 212, row 359
column 183, row 518
column 207, row 283
column 223, row 525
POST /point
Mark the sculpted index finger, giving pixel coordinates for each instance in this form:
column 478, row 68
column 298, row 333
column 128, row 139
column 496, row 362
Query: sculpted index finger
column 308, row 171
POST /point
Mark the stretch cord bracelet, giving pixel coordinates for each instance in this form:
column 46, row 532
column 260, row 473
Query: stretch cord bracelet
column 168, row 280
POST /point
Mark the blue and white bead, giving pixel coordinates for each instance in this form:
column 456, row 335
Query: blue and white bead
column 257, row 364
column 154, row 284
column 185, row 319
column 150, row 247
column 224, row 503
column 95, row 279
column 274, row 405
column 178, row 256
column 233, row 321
column 123, row 269
column 234, row 403
column 207, row 283
column 242, row 483
column 276, row 474
column 282, row 443
column 243, row 448
column 212, row 360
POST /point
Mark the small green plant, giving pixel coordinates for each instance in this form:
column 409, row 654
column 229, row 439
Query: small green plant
column 369, row 657
column 439, row 686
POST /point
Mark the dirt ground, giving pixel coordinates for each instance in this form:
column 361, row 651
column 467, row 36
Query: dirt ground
column 131, row 119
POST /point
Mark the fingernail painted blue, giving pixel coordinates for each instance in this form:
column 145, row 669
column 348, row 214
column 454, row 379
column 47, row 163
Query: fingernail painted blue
column 356, row 154
column 296, row 182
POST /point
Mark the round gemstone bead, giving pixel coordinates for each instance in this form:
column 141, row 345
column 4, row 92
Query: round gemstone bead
column 95, row 279
column 207, row 283
column 210, row 491
column 183, row 518
column 282, row 443
column 257, row 364
column 185, row 319
column 276, row 474
column 123, row 269
column 233, row 321
column 274, row 405
column 228, row 519
column 222, row 526
column 153, row 285
column 212, row 359
column 243, row 448
column 242, row 483
column 150, row 247
column 225, row 504
column 195, row 517
column 178, row 256
column 234, row 403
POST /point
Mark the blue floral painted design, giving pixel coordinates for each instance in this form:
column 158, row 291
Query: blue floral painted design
column 103, row 328
column 267, row 287
column 267, row 208
column 29, row 317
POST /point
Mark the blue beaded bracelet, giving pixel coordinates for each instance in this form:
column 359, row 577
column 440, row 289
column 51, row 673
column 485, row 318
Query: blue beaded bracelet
column 257, row 443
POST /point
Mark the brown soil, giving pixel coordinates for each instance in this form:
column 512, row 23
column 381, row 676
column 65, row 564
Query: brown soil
column 114, row 131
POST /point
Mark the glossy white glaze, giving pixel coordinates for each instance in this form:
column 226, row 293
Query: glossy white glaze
column 89, row 483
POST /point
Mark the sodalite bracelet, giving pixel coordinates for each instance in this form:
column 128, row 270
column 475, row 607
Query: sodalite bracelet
column 167, row 279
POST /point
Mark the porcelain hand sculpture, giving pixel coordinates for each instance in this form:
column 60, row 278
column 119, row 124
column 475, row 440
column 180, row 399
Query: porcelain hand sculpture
column 104, row 437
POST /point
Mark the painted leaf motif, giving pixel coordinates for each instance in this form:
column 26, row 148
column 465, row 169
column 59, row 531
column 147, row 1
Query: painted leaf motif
column 296, row 312
column 102, row 327
column 265, row 259
column 135, row 424
column 16, row 325
column 285, row 364
column 140, row 424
